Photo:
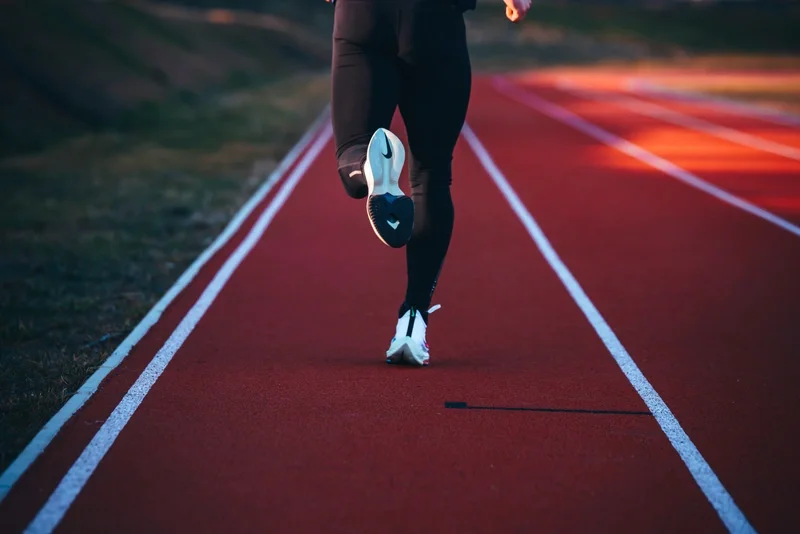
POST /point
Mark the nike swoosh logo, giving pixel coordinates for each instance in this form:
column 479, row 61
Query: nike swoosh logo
column 388, row 147
column 394, row 225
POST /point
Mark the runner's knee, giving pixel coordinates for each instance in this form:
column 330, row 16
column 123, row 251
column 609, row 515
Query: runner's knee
column 433, row 176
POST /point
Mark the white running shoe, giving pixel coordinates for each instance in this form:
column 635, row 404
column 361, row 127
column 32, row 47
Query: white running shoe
column 409, row 344
column 390, row 211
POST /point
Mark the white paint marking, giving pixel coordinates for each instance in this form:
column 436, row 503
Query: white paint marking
column 711, row 486
column 686, row 121
column 726, row 105
column 43, row 438
column 72, row 483
column 637, row 152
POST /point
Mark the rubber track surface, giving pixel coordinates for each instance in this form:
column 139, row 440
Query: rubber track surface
column 279, row 415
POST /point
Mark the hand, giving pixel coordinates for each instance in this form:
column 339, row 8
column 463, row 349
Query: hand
column 517, row 9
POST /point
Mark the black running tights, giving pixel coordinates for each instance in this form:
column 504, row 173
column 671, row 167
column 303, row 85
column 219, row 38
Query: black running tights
column 411, row 55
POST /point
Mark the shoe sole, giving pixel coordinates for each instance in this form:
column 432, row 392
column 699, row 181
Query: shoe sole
column 403, row 351
column 391, row 218
column 390, row 211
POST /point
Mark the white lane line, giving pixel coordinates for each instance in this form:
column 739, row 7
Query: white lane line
column 726, row 105
column 70, row 486
column 655, row 111
column 43, row 438
column 637, row 152
column 711, row 486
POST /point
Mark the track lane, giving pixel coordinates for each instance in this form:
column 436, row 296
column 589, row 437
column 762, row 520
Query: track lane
column 620, row 82
column 682, row 119
column 727, row 108
column 32, row 489
column 279, row 412
column 704, row 296
column 778, row 133
column 767, row 180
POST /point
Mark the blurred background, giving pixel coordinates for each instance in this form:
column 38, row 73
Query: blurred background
column 133, row 130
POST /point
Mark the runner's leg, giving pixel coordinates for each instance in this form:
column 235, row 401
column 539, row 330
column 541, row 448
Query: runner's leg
column 364, row 84
column 435, row 91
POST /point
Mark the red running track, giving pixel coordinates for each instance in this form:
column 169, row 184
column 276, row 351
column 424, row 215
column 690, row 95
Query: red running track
column 277, row 414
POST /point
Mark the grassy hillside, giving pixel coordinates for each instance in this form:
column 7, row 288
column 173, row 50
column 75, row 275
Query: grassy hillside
column 693, row 27
column 76, row 65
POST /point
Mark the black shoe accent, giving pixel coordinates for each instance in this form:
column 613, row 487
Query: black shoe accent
column 411, row 322
column 407, row 307
column 388, row 153
column 399, row 211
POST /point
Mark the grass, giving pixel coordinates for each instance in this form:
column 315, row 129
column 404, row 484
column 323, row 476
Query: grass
column 96, row 229
column 63, row 22
column 72, row 66
column 149, row 24
column 713, row 28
